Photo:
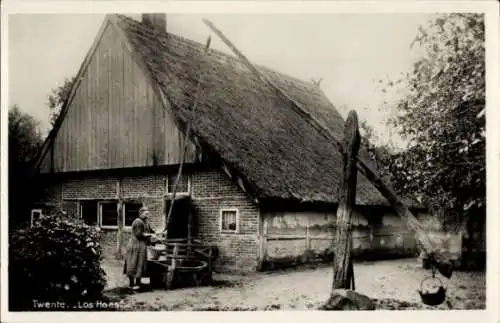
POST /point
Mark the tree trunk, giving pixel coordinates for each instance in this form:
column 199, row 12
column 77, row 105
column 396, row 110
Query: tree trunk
column 342, row 266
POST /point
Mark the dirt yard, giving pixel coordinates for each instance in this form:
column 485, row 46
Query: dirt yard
column 393, row 284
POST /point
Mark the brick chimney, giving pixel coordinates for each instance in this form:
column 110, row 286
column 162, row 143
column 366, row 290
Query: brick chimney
column 156, row 20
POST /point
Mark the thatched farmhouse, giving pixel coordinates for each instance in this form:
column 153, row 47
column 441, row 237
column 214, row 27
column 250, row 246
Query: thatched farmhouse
column 261, row 182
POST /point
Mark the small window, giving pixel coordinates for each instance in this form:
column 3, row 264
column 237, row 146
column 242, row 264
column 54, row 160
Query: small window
column 109, row 214
column 182, row 186
column 35, row 215
column 131, row 212
column 88, row 212
column 229, row 220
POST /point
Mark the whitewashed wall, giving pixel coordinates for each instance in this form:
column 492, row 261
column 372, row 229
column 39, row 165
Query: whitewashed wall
column 290, row 234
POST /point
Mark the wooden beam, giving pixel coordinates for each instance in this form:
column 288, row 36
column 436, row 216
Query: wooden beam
column 190, row 226
column 241, row 184
column 120, row 219
column 442, row 263
column 226, row 170
column 262, row 239
column 342, row 264
column 264, row 235
column 273, row 237
column 286, row 237
column 308, row 237
column 186, row 138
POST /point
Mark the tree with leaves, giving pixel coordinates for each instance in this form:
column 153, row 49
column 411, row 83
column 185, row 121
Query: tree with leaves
column 442, row 116
column 24, row 143
column 58, row 97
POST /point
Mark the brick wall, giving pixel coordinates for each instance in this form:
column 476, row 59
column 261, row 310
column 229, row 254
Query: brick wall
column 146, row 189
column 211, row 191
column 89, row 188
column 152, row 185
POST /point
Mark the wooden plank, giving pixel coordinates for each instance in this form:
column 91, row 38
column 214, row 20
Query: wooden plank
column 84, row 128
column 145, row 125
column 128, row 154
column 210, row 262
column 106, row 124
column 134, row 119
column 172, row 243
column 170, row 240
column 321, row 237
column 68, row 138
column 163, row 206
column 95, row 106
column 285, row 237
column 94, row 80
column 175, row 255
column 159, row 125
column 75, row 129
column 154, row 127
column 111, row 105
column 138, row 121
column 116, row 105
column 182, row 256
column 90, row 102
column 200, row 252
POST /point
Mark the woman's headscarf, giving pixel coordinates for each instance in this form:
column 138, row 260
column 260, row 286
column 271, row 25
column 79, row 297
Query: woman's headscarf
column 144, row 215
column 144, row 212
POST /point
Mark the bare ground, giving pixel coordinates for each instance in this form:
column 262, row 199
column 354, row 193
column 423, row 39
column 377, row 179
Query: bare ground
column 393, row 284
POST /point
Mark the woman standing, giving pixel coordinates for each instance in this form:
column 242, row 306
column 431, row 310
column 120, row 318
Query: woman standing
column 136, row 258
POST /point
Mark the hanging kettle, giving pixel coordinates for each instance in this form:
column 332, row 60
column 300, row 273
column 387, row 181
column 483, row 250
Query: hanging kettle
column 432, row 291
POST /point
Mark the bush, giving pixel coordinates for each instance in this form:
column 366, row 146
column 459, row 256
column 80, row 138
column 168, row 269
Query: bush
column 54, row 261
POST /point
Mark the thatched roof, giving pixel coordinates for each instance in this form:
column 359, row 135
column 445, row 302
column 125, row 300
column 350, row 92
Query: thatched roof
column 245, row 122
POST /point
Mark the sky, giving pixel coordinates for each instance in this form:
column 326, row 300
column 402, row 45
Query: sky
column 348, row 52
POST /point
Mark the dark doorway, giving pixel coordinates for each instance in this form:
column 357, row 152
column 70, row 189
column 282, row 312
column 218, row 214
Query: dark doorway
column 181, row 219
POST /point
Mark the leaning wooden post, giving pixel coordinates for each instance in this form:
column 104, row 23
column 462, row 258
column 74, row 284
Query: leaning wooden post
column 342, row 265
column 343, row 297
column 440, row 260
column 120, row 219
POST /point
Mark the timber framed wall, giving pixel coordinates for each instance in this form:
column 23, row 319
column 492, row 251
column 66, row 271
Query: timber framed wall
column 291, row 237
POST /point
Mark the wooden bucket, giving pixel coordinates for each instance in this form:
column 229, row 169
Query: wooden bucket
column 152, row 254
column 155, row 251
